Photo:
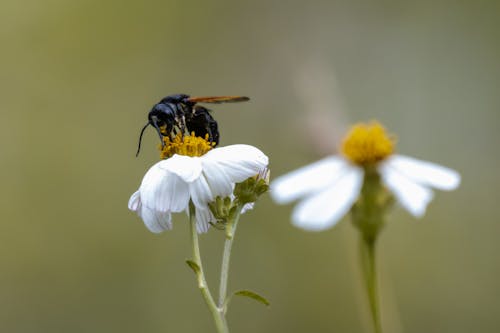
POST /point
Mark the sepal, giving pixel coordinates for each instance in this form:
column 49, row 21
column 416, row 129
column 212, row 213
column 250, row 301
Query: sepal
column 251, row 189
column 224, row 210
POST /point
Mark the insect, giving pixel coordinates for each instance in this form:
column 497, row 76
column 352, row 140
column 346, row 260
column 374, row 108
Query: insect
column 181, row 113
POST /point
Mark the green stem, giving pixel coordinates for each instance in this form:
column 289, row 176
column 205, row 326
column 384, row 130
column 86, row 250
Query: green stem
column 217, row 313
column 224, row 272
column 368, row 216
column 367, row 251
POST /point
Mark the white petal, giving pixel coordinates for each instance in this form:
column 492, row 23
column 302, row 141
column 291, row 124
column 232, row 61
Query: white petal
column 218, row 180
column 203, row 219
column 324, row 209
column 156, row 221
column 247, row 207
column 426, row 173
column 186, row 167
column 238, row 162
column 164, row 191
column 409, row 194
column 309, row 179
column 134, row 202
column 200, row 192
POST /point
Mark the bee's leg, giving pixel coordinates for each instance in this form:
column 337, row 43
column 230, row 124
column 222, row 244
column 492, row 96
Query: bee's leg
column 180, row 121
column 209, row 132
column 173, row 133
column 210, row 126
column 183, row 125
column 212, row 129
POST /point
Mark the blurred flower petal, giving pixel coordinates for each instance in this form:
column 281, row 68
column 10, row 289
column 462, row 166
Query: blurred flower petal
column 309, row 179
column 426, row 173
column 411, row 195
column 326, row 208
column 330, row 186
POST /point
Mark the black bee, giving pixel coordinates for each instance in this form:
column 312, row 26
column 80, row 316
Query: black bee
column 180, row 113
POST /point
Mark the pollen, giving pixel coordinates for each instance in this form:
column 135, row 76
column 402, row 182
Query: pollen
column 367, row 144
column 189, row 145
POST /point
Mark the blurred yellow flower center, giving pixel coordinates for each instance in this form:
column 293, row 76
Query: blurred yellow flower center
column 367, row 144
column 189, row 145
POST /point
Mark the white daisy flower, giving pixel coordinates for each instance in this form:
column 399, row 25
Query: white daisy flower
column 171, row 184
column 329, row 188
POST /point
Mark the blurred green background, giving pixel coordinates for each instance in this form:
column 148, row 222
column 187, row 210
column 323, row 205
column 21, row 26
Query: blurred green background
column 78, row 78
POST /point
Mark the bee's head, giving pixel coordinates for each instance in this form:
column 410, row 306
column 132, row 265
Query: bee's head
column 162, row 114
column 162, row 118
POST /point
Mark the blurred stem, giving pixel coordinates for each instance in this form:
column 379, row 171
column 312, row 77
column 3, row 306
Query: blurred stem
column 368, row 216
column 224, row 273
column 217, row 313
column 367, row 255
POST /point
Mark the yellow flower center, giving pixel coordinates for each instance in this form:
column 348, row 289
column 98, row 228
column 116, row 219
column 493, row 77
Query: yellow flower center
column 189, row 145
column 367, row 144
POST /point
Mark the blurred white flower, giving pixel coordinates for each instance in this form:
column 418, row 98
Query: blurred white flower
column 170, row 184
column 329, row 188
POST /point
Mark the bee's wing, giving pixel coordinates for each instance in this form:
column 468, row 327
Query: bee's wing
column 218, row 99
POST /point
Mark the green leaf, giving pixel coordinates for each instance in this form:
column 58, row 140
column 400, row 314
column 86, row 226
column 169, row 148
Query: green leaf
column 253, row 295
column 194, row 266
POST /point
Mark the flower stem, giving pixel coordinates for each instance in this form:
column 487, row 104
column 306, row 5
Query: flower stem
column 368, row 216
column 367, row 252
column 224, row 273
column 217, row 312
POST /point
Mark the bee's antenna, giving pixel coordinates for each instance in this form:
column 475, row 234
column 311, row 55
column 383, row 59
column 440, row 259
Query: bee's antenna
column 140, row 139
